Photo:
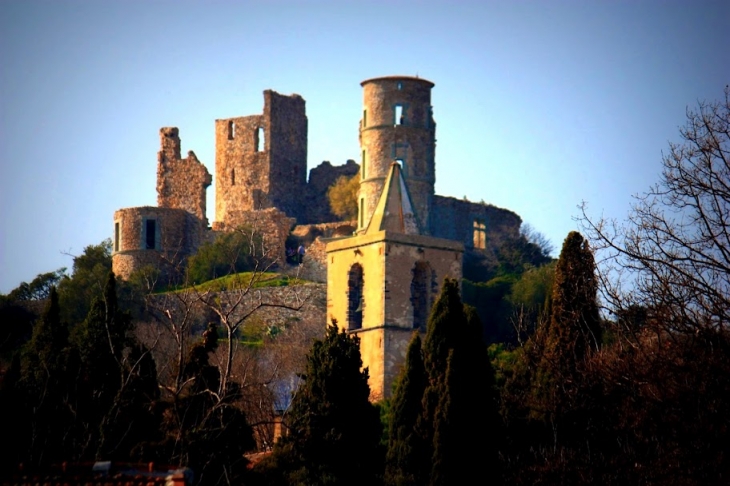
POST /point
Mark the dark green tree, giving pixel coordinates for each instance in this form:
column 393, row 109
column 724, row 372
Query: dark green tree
column 334, row 431
column 573, row 331
column 408, row 457
column 575, row 324
column 44, row 388
column 116, row 381
column 460, row 381
column 204, row 428
column 89, row 276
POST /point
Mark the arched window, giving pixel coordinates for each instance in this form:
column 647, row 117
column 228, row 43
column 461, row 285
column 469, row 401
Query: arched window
column 355, row 301
column 421, row 294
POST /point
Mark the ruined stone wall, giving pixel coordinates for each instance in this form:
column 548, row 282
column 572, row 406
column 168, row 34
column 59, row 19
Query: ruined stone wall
column 272, row 225
column 181, row 183
column 261, row 160
column 454, row 219
column 397, row 124
column 288, row 135
column 321, row 178
column 177, row 235
column 314, row 237
column 241, row 170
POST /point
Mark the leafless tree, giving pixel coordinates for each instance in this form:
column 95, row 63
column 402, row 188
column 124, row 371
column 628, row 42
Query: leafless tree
column 672, row 255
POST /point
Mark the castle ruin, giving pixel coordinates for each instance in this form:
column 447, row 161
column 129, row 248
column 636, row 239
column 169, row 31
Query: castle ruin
column 384, row 270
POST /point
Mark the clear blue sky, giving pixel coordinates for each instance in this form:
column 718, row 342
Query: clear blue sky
column 539, row 105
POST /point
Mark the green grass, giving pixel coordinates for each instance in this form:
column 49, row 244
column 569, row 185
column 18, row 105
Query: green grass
column 243, row 280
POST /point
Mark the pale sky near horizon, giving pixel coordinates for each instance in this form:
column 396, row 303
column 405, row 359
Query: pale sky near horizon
column 539, row 105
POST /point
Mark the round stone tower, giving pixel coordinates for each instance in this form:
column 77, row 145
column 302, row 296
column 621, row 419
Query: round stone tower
column 397, row 126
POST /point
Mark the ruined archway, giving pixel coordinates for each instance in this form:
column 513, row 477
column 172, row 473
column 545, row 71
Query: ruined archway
column 355, row 300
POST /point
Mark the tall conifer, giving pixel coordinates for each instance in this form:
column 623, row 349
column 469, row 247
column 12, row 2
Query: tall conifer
column 408, row 457
column 334, row 431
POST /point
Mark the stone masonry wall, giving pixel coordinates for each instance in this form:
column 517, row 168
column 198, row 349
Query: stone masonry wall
column 454, row 220
column 271, row 224
column 314, row 237
column 178, row 234
column 397, row 124
column 261, row 160
column 309, row 299
column 181, row 183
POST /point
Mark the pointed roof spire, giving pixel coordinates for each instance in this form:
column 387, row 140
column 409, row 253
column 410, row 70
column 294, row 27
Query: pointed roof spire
column 394, row 211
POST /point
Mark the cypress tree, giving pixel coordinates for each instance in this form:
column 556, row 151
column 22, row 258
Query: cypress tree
column 460, row 398
column 573, row 331
column 408, row 457
column 574, row 319
column 45, row 383
column 334, row 431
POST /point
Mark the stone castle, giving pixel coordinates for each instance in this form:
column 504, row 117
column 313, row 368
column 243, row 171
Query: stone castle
column 384, row 270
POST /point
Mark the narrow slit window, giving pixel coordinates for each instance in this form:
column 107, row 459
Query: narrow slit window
column 116, row 236
column 364, row 118
column 231, row 130
column 362, row 211
column 150, row 234
column 362, row 172
column 260, row 140
column 233, row 177
column 398, row 115
column 400, row 85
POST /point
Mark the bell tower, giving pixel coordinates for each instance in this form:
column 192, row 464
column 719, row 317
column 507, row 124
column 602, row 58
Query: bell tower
column 382, row 283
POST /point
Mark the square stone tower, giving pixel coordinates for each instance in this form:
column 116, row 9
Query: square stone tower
column 382, row 283
column 261, row 160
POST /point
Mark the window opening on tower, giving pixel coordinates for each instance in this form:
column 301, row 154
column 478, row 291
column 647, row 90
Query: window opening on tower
column 398, row 115
column 260, row 139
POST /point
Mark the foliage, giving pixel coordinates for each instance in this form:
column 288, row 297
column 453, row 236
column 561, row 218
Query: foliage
column 407, row 457
column 117, row 380
column 39, row 288
column 90, row 271
column 575, row 325
column 334, row 431
column 342, row 197
column 672, row 256
column 243, row 280
column 491, row 300
column 45, row 381
column 231, row 252
column 458, row 376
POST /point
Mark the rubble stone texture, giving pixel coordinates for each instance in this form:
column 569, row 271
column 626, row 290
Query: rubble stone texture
column 397, row 124
column 181, row 183
column 177, row 235
column 261, row 160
